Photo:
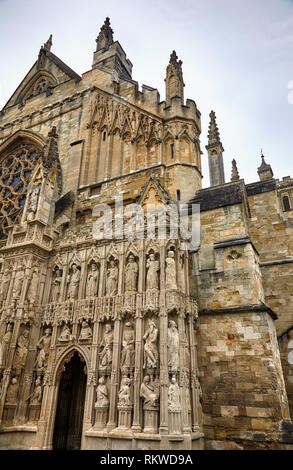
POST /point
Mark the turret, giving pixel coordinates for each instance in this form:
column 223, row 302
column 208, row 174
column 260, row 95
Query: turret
column 215, row 153
column 265, row 171
column 174, row 80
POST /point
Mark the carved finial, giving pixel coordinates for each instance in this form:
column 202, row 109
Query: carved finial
column 214, row 134
column 235, row 174
column 105, row 37
column 174, row 59
column 48, row 44
column 174, row 79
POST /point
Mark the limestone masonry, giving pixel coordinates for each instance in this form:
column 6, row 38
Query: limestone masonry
column 136, row 343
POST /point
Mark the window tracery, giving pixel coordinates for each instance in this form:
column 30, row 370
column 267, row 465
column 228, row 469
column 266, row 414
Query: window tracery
column 41, row 85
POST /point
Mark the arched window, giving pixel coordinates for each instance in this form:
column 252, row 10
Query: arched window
column 16, row 166
column 286, row 203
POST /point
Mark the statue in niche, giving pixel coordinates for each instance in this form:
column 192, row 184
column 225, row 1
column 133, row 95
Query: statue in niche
column 124, row 392
column 107, row 347
column 73, row 283
column 21, row 352
column 150, row 347
column 92, row 281
column 174, row 403
column 56, row 286
column 127, row 356
column 5, row 281
column 186, row 351
column 173, row 346
column 5, row 343
column 36, row 397
column 112, row 279
column 65, row 334
column 19, row 278
column 171, row 271
column 44, row 347
column 152, row 278
column 11, row 395
column 148, row 392
column 32, row 291
column 33, row 204
column 131, row 275
column 102, row 393
column 86, row 331
column 181, row 275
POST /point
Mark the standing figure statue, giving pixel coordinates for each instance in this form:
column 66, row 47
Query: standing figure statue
column 21, row 352
column 32, row 292
column 152, row 278
column 173, row 346
column 36, row 397
column 92, row 281
column 112, row 279
column 73, row 282
column 102, row 393
column 18, row 284
column 5, row 285
column 56, row 286
column 150, row 347
column 4, row 350
column 174, row 402
column 107, row 347
column 44, row 347
column 171, row 271
column 33, row 204
column 131, row 274
column 127, row 356
column 11, row 395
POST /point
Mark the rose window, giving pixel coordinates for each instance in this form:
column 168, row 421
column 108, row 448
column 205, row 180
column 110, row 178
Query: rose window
column 15, row 173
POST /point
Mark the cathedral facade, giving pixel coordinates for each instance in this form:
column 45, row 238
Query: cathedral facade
column 146, row 342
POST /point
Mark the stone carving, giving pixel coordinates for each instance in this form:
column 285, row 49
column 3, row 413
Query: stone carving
column 131, row 275
column 92, row 281
column 21, row 352
column 5, row 281
column 73, row 283
column 112, row 279
column 56, row 286
column 148, row 392
column 36, row 397
column 32, row 292
column 171, row 271
column 5, row 346
column 11, row 395
column 174, row 401
column 33, row 204
column 124, row 392
column 173, row 347
column 18, row 284
column 44, row 347
column 181, row 274
column 150, row 347
column 65, row 334
column 153, row 267
column 85, row 332
column 127, row 357
column 107, row 347
column 102, row 393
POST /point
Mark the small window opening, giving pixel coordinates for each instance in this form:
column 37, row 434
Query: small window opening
column 172, row 151
column 104, row 136
column 178, row 195
column 286, row 203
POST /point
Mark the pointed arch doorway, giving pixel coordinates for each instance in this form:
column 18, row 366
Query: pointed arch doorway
column 70, row 405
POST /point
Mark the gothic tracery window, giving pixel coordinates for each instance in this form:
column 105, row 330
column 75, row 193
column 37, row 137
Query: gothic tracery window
column 43, row 84
column 16, row 167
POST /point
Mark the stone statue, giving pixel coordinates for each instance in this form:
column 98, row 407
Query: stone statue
column 112, row 279
column 73, row 283
column 102, row 393
column 150, row 347
column 56, row 286
column 173, row 346
column 65, row 334
column 92, row 281
column 21, row 352
column 11, row 395
column 174, row 402
column 181, row 274
column 148, row 392
column 36, row 397
column 5, row 285
column 86, row 331
column 107, row 347
column 44, row 347
column 152, row 278
column 18, row 284
column 5, row 343
column 124, row 392
column 33, row 204
column 131, row 274
column 127, row 357
column 171, row 271
column 32, row 291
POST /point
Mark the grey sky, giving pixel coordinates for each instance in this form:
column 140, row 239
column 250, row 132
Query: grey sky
column 237, row 59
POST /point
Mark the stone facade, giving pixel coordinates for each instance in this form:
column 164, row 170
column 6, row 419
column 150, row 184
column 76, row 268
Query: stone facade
column 147, row 345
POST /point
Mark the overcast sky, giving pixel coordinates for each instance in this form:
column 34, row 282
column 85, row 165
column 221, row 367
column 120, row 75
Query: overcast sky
column 237, row 60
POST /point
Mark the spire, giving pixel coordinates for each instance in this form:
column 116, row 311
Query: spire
column 215, row 153
column 48, row 44
column 234, row 174
column 105, row 37
column 265, row 171
column 174, row 79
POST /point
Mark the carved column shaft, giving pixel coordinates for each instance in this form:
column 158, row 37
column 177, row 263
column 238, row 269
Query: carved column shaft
column 114, row 376
column 194, row 391
column 138, row 367
column 183, row 381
